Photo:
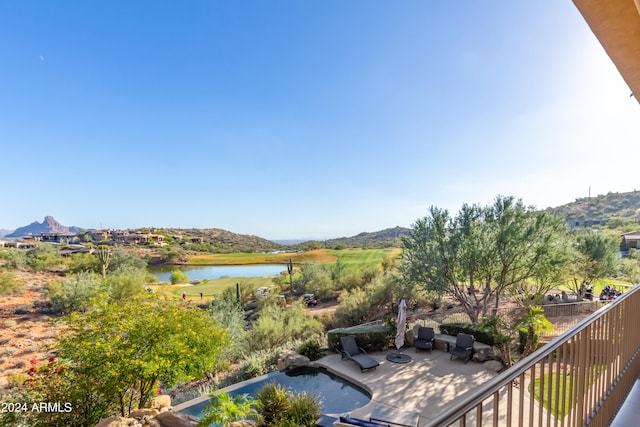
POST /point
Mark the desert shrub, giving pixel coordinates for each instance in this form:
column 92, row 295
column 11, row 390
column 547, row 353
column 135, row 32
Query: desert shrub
column 279, row 407
column 9, row 284
column 14, row 259
column 10, row 323
column 122, row 261
column 272, row 403
column 277, row 325
column 178, row 277
column 231, row 317
column 43, row 257
column 9, row 351
column 354, row 308
column 121, row 286
column 311, row 349
column 83, row 262
column 74, row 293
column 304, row 409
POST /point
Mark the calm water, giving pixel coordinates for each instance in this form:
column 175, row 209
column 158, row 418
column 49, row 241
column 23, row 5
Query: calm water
column 210, row 272
column 337, row 394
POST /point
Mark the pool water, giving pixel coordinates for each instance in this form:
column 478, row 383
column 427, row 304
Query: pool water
column 337, row 395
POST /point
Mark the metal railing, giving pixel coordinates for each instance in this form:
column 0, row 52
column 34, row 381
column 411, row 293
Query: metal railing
column 581, row 378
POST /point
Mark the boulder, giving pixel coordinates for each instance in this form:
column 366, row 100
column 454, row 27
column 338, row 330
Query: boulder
column 161, row 401
column 483, row 355
column 291, row 359
column 493, row 365
column 175, row 419
column 118, row 422
column 145, row 412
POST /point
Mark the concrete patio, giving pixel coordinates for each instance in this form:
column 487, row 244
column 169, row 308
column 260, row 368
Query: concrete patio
column 426, row 385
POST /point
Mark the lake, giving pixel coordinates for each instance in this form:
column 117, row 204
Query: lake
column 211, row 272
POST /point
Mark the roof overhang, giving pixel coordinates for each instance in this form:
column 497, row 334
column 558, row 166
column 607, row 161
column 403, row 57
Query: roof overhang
column 616, row 24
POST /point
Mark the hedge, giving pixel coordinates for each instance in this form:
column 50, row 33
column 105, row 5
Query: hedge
column 369, row 337
column 482, row 335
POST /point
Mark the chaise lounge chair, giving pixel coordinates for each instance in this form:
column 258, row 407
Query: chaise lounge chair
column 351, row 351
column 426, row 338
column 464, row 347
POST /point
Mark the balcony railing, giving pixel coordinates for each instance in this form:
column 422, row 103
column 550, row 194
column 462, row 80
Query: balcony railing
column 581, row 378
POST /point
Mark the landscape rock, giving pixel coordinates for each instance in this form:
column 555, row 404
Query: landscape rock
column 291, row 359
column 145, row 412
column 243, row 423
column 483, row 355
column 493, row 365
column 175, row 419
column 161, row 401
column 118, row 422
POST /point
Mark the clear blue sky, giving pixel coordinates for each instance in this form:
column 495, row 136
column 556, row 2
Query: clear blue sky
column 302, row 119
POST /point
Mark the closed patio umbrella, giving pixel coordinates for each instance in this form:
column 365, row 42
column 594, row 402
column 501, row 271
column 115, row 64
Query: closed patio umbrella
column 401, row 324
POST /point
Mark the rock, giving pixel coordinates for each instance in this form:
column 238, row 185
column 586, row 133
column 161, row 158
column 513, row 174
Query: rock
column 175, row 419
column 243, row 423
column 161, row 401
column 118, row 422
column 483, row 355
column 145, row 412
column 493, row 365
column 291, row 359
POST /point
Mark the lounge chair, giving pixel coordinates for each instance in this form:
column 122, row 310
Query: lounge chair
column 351, row 351
column 426, row 338
column 464, row 347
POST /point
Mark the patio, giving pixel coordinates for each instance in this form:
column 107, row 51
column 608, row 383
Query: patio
column 426, row 385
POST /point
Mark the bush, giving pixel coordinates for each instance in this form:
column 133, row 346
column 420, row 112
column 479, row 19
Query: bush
column 14, row 259
column 43, row 257
column 354, row 308
column 272, row 403
column 178, row 277
column 369, row 337
column 311, row 349
column 278, row 325
column 277, row 406
column 83, row 262
column 121, row 286
column 481, row 333
column 8, row 283
column 74, row 293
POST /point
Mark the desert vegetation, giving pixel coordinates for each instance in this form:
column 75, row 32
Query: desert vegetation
column 106, row 318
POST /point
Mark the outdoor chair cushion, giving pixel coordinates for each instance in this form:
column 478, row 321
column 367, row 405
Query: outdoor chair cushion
column 360, row 422
column 425, row 339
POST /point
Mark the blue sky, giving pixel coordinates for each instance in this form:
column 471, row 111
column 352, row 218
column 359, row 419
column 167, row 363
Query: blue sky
column 291, row 119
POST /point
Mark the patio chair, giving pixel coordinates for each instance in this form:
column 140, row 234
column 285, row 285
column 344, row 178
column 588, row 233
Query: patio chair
column 351, row 351
column 464, row 347
column 426, row 338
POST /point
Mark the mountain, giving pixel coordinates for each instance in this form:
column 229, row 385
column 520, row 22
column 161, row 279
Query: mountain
column 624, row 206
column 223, row 240
column 49, row 225
column 378, row 239
column 5, row 232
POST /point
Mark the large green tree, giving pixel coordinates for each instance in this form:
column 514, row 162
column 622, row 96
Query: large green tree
column 480, row 253
column 127, row 349
column 595, row 255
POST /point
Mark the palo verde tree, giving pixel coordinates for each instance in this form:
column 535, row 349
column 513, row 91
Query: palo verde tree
column 480, row 253
column 595, row 255
column 128, row 349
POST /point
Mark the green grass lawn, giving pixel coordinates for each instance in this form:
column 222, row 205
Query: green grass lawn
column 362, row 258
column 549, row 401
column 209, row 288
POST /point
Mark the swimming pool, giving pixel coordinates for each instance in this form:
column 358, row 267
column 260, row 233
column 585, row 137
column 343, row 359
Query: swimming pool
column 337, row 395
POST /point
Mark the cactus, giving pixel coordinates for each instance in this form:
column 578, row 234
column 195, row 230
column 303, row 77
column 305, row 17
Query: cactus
column 104, row 255
column 290, row 270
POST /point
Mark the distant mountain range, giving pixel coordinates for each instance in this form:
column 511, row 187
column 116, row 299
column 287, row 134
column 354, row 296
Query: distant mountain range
column 49, row 225
column 600, row 208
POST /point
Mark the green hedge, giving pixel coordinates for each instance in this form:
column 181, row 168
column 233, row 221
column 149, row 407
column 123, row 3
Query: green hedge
column 482, row 335
column 369, row 337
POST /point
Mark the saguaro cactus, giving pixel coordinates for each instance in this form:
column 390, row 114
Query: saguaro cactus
column 104, row 255
column 290, row 270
